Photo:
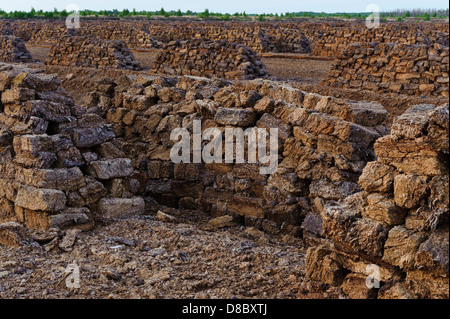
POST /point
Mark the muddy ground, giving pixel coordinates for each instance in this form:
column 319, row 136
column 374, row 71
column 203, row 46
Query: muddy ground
column 143, row 257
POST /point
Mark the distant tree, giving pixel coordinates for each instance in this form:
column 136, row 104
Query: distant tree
column 63, row 14
column 49, row 15
column 179, row 13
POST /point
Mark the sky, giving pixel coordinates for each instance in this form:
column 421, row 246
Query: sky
column 227, row 6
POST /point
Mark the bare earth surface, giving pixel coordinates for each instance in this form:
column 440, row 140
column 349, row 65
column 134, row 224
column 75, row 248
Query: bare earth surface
column 145, row 258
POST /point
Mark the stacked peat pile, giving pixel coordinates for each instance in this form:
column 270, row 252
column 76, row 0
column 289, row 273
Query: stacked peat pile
column 134, row 35
column 289, row 40
column 324, row 143
column 221, row 59
column 392, row 68
column 91, row 52
column 13, row 49
column 48, row 33
column 396, row 230
column 331, row 38
column 56, row 167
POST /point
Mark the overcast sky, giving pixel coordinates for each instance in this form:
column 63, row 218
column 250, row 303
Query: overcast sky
column 230, row 6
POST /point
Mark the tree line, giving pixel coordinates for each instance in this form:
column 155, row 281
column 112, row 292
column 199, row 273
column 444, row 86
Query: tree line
column 398, row 14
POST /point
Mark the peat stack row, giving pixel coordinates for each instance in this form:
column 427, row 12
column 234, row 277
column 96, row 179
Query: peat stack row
column 221, row 59
column 56, row 167
column 396, row 230
column 91, row 52
column 324, row 144
column 392, row 68
column 13, row 49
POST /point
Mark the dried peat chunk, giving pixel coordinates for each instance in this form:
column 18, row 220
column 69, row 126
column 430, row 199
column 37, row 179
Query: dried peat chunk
column 332, row 190
column 236, row 117
column 121, row 207
column 313, row 223
column 438, row 129
column 137, row 102
column 264, row 105
column 221, row 222
column 49, row 111
column 40, row 199
column 14, row 235
column 370, row 236
column 111, row 168
column 187, row 188
column 269, row 121
column 355, row 287
column 321, row 267
column 433, row 254
column 37, row 81
column 351, row 233
column 413, row 123
column 92, row 136
column 91, row 193
column 70, row 217
column 401, row 247
column 439, row 192
column 60, row 179
column 247, row 206
column 32, row 144
column 396, row 291
column 288, row 94
column 377, row 177
column 410, row 156
column 247, row 99
column 17, row 95
column 6, row 207
column 288, row 181
column 428, row 284
column 362, row 113
column 169, row 94
column 409, row 190
column 383, row 209
column 366, row 113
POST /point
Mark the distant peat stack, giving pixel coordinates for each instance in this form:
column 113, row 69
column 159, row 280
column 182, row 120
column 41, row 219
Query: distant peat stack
column 222, row 59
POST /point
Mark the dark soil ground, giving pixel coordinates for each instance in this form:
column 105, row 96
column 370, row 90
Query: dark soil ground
column 143, row 257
